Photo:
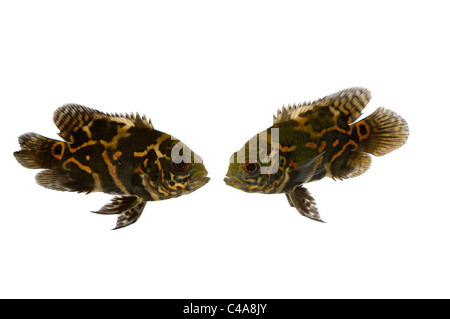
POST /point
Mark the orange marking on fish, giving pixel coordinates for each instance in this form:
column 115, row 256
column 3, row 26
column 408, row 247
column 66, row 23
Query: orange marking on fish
column 117, row 155
column 311, row 145
column 73, row 150
column 348, row 106
column 351, row 142
column 322, row 146
column 160, row 169
column 88, row 157
column 154, row 147
column 140, row 154
column 276, row 183
column 163, row 191
column 287, row 149
column 88, row 131
column 145, row 162
column 282, row 163
column 366, row 127
column 139, row 171
column 113, row 173
column 158, row 164
column 343, row 110
column 293, row 164
column 85, row 168
column 263, row 185
column 58, row 156
column 335, row 143
column 314, row 134
column 121, row 133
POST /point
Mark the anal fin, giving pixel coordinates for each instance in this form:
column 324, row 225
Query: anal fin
column 289, row 200
column 118, row 205
column 61, row 180
column 305, row 204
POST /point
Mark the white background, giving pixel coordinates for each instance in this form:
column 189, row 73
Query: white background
column 212, row 74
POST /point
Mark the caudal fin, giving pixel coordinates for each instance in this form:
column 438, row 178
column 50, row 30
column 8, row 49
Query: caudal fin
column 38, row 151
column 382, row 132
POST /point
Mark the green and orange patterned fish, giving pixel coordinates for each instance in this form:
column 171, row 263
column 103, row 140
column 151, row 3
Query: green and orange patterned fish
column 116, row 154
column 310, row 141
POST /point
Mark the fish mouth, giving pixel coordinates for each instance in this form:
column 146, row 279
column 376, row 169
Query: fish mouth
column 235, row 183
column 198, row 181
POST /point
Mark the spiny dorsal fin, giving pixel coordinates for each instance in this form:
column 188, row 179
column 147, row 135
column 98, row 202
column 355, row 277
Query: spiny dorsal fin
column 349, row 103
column 71, row 117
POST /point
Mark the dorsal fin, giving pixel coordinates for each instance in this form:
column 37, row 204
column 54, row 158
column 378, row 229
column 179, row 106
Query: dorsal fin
column 349, row 103
column 69, row 118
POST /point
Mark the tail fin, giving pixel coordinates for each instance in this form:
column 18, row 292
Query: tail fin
column 382, row 132
column 38, row 151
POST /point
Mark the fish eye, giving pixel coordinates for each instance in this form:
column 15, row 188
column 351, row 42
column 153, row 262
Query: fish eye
column 251, row 168
column 180, row 164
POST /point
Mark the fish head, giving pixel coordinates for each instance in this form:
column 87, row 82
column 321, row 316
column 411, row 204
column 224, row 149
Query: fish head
column 256, row 167
column 179, row 171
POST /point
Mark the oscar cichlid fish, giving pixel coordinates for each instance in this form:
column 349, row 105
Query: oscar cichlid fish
column 117, row 154
column 310, row 141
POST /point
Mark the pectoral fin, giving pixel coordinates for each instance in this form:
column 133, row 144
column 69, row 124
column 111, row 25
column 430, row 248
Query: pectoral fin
column 129, row 209
column 303, row 201
column 118, row 205
column 308, row 170
column 289, row 200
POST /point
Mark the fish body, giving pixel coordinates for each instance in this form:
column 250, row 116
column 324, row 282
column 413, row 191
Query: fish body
column 121, row 155
column 310, row 141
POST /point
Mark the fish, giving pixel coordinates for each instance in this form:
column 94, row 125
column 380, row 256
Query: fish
column 313, row 140
column 120, row 155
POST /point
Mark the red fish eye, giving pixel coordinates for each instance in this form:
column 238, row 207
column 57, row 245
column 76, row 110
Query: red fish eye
column 250, row 168
column 181, row 165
